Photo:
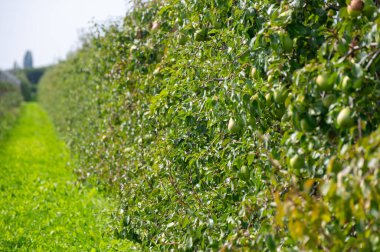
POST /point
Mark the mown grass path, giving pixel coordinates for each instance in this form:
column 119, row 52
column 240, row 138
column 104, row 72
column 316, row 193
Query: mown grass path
column 42, row 208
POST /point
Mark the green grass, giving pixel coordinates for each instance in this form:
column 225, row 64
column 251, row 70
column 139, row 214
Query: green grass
column 42, row 207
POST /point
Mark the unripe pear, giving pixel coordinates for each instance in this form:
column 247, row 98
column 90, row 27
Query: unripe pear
column 300, row 104
column 344, row 119
column 334, row 166
column 358, row 83
column 297, row 162
column 323, row 83
column 268, row 98
column 307, row 124
column 244, row 172
column 279, row 96
column 328, row 100
column 270, row 78
column 331, row 13
column 155, row 25
column 254, row 97
column 133, row 48
column 253, row 72
column 234, row 126
column 346, row 84
column 157, row 71
column 287, row 43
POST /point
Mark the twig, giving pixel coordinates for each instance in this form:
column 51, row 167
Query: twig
column 169, row 243
column 242, row 53
column 374, row 56
column 217, row 79
column 333, row 7
column 357, row 48
column 360, row 128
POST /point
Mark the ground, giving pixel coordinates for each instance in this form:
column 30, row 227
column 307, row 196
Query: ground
column 42, row 206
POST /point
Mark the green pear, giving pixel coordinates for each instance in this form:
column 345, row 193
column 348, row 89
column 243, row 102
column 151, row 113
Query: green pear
column 344, row 119
column 297, row 162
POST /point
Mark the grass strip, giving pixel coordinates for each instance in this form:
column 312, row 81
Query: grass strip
column 42, row 207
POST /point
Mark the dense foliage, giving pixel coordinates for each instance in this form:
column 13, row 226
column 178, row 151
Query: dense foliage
column 231, row 124
column 10, row 100
column 34, row 74
column 29, row 78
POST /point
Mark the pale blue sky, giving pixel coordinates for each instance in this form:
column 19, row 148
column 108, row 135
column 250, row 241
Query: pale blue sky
column 49, row 28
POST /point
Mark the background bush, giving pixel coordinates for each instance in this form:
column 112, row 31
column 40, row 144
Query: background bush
column 29, row 78
column 10, row 100
column 146, row 104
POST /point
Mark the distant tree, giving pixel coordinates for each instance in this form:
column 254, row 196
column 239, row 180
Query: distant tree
column 15, row 65
column 28, row 60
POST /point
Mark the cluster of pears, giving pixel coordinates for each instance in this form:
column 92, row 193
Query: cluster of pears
column 344, row 118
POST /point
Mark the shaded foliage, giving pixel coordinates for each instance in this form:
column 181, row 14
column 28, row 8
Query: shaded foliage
column 34, row 75
column 29, row 81
column 10, row 100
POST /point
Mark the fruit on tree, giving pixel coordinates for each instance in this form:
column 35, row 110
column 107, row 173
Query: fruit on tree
column 300, row 103
column 346, row 84
column 328, row 100
column 287, row 43
column 334, row 166
column 250, row 12
column 244, row 172
column 344, row 119
column 358, row 83
column 179, row 21
column 296, row 119
column 331, row 13
column 253, row 72
column 155, row 25
column 234, row 126
column 254, row 98
column 157, row 71
column 355, row 7
column 307, row 124
column 279, row 96
column 159, row 55
column 268, row 98
column 133, row 48
column 323, row 83
column 270, row 78
column 290, row 110
column 288, row 100
column 297, row 162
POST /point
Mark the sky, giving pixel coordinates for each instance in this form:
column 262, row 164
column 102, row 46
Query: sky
column 49, row 28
